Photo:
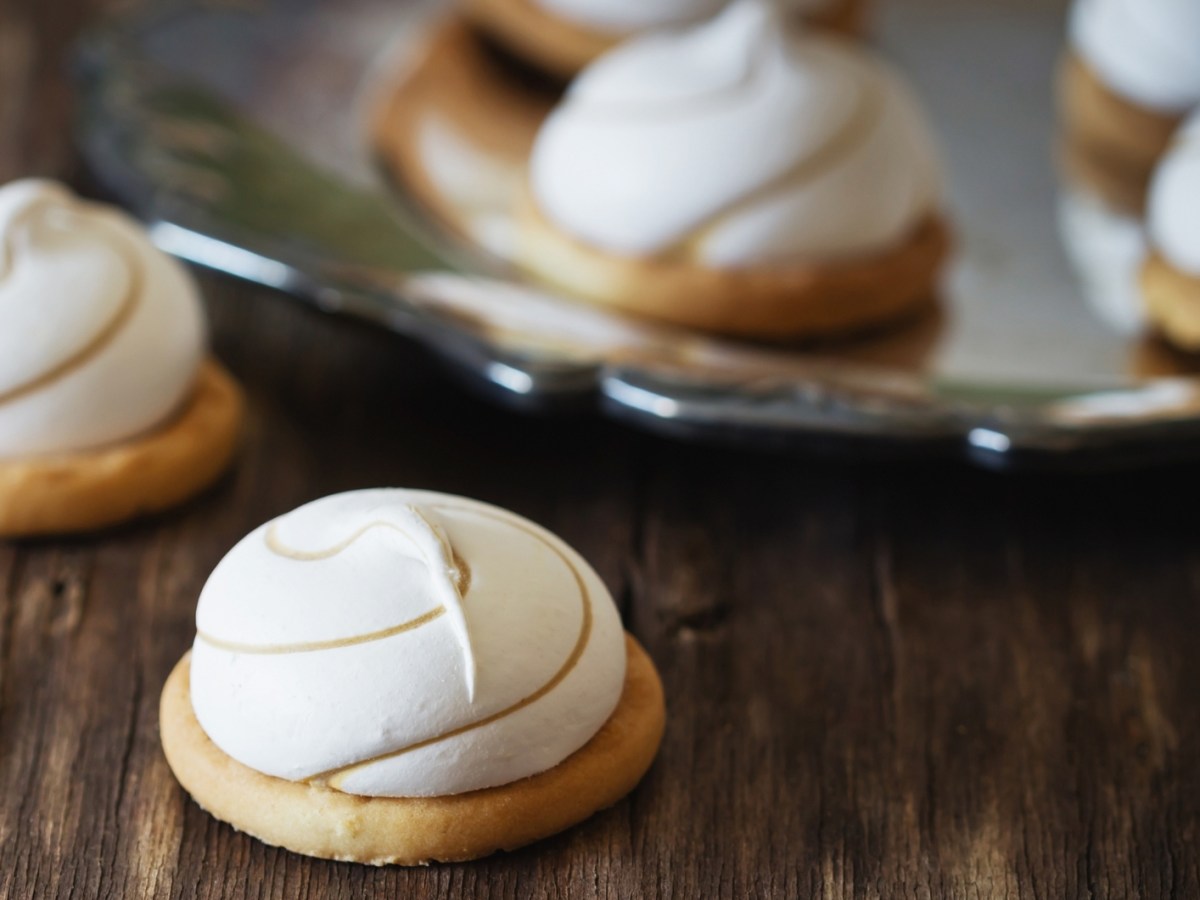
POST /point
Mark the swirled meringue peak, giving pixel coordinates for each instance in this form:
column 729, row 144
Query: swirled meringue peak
column 1145, row 50
column 743, row 140
column 101, row 334
column 404, row 643
column 1173, row 217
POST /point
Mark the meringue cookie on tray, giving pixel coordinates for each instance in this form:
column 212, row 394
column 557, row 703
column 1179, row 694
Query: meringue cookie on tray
column 395, row 676
column 563, row 36
column 108, row 406
column 743, row 176
column 1131, row 73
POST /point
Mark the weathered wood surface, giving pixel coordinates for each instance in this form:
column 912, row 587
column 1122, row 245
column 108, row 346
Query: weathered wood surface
column 884, row 681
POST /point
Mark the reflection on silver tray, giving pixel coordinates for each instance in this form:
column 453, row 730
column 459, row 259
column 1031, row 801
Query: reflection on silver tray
column 237, row 131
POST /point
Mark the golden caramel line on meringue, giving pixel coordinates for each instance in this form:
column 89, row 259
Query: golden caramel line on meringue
column 763, row 143
column 851, row 135
column 300, row 715
column 276, row 546
column 103, row 334
column 103, row 337
column 462, row 572
column 333, row 777
column 311, row 646
column 464, row 586
column 440, row 560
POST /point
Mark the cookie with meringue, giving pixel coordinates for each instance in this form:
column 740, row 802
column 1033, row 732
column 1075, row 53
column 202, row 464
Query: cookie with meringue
column 563, row 36
column 740, row 177
column 1130, row 75
column 399, row 677
column 110, row 407
column 453, row 128
column 1171, row 275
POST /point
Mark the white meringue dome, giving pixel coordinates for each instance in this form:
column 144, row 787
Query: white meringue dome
column 745, row 140
column 1173, row 214
column 101, row 334
column 1145, row 50
column 327, row 647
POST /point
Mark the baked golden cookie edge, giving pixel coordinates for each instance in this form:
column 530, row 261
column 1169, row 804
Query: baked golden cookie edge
column 326, row 823
column 88, row 490
column 772, row 302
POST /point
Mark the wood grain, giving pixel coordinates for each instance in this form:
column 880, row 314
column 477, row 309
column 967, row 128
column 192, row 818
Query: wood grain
column 883, row 681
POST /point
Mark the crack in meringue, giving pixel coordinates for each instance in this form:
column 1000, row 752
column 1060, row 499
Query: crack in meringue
column 433, row 547
column 334, row 777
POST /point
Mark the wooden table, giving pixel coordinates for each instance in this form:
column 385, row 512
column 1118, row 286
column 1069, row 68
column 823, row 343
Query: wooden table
column 883, row 680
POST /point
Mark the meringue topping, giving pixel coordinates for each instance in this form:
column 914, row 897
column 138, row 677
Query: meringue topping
column 1145, row 50
column 328, row 650
column 432, row 547
column 101, row 334
column 1173, row 213
column 744, row 140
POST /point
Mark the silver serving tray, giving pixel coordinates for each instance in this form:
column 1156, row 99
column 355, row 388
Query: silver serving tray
column 236, row 129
